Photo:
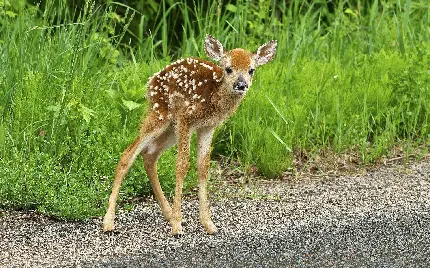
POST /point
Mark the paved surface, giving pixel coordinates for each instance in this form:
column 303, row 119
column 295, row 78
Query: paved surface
column 381, row 219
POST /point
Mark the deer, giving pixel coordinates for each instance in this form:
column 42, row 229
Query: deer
column 189, row 95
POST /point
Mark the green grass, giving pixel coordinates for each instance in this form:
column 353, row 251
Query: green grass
column 380, row 100
column 72, row 91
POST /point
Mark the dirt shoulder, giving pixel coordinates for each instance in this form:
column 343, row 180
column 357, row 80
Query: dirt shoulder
column 378, row 218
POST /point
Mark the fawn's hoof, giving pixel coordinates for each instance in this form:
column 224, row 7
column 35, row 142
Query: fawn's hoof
column 108, row 227
column 177, row 229
column 108, row 224
column 177, row 236
column 210, row 228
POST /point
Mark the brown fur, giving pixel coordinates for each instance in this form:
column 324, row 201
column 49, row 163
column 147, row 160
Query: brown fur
column 240, row 58
column 188, row 95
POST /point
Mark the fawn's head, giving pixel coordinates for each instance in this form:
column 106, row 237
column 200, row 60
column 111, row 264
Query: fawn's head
column 238, row 64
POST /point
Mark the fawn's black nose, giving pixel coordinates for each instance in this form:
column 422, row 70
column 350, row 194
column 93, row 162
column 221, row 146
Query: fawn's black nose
column 240, row 84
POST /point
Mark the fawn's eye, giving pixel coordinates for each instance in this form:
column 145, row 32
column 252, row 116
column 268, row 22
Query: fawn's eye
column 228, row 70
column 251, row 71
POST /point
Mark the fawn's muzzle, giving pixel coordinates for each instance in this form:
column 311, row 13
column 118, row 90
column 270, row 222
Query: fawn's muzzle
column 240, row 85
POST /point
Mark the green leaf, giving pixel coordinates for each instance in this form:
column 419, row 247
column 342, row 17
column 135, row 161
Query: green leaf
column 351, row 12
column 112, row 93
column 55, row 109
column 86, row 113
column 131, row 105
column 231, row 8
column 11, row 14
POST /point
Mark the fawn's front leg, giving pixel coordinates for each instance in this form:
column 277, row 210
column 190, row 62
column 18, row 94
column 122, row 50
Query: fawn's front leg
column 182, row 166
column 204, row 140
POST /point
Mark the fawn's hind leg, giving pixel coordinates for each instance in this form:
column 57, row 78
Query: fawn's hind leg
column 150, row 157
column 151, row 129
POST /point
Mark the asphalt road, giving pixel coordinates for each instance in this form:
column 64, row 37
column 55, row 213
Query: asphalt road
column 380, row 219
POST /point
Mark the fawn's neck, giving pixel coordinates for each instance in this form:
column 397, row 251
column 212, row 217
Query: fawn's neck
column 224, row 102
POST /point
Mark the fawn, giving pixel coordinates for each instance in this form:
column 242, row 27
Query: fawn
column 189, row 95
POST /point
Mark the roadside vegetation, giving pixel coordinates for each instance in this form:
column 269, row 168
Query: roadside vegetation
column 349, row 76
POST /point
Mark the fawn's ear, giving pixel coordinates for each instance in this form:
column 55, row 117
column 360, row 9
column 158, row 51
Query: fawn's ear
column 265, row 53
column 213, row 48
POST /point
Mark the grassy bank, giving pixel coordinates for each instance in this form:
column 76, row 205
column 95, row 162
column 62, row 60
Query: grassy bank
column 347, row 77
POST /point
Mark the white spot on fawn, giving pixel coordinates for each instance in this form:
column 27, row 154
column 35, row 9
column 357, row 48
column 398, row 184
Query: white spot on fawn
column 206, row 66
column 191, row 109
